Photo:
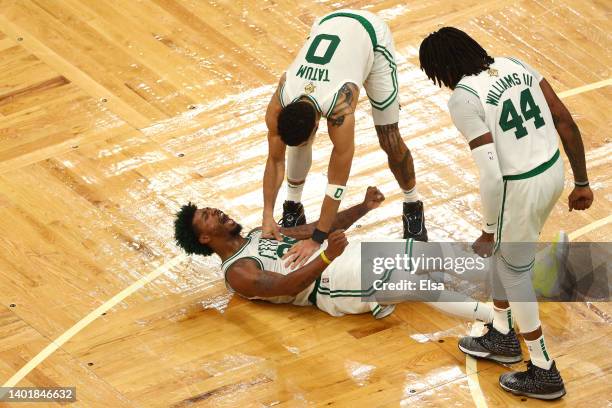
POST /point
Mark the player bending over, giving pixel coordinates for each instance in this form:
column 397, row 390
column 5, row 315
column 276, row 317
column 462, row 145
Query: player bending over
column 512, row 120
column 346, row 49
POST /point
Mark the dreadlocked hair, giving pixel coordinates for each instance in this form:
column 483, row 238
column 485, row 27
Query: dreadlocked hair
column 449, row 54
column 185, row 234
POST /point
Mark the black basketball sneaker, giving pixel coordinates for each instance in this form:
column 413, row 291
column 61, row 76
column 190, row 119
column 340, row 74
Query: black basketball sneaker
column 414, row 221
column 536, row 382
column 493, row 345
column 293, row 214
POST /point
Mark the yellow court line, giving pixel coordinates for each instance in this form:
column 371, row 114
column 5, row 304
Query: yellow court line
column 471, row 368
column 59, row 342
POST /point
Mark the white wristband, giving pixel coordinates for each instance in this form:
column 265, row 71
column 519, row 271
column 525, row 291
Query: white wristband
column 335, row 192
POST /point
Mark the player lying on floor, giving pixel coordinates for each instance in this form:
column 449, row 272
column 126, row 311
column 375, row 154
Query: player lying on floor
column 331, row 279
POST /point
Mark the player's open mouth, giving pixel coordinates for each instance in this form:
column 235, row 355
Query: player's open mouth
column 225, row 219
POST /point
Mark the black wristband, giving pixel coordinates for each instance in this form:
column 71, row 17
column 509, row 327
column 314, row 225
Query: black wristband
column 319, row 236
column 581, row 183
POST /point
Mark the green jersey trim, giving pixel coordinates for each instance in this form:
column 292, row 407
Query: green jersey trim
column 332, row 105
column 280, row 95
column 317, row 107
column 248, row 241
column 259, row 263
column 534, row 172
column 362, row 20
column 467, row 88
column 516, row 62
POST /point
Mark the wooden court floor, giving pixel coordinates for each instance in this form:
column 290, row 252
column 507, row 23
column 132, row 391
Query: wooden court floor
column 114, row 113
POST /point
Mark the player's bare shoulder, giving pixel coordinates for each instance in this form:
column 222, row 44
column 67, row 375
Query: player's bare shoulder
column 345, row 104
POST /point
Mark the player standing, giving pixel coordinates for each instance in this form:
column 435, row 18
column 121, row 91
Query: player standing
column 345, row 50
column 511, row 118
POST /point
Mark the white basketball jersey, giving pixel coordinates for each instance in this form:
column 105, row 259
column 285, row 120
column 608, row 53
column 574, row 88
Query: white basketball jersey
column 517, row 115
column 338, row 50
column 268, row 253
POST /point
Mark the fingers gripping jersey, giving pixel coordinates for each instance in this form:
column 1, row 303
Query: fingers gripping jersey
column 516, row 113
column 340, row 49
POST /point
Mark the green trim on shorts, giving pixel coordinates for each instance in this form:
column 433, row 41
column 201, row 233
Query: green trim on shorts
column 467, row 88
column 379, row 105
column 515, row 268
column 312, row 298
column 535, row 171
column 354, row 292
column 500, row 219
column 391, row 98
column 362, row 20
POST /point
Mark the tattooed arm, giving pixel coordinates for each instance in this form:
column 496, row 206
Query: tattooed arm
column 398, row 155
column 581, row 197
column 245, row 277
column 344, row 219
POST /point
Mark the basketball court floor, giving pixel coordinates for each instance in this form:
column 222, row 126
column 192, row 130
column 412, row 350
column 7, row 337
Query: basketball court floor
column 114, row 113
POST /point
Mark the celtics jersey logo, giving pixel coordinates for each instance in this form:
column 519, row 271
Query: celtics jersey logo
column 273, row 249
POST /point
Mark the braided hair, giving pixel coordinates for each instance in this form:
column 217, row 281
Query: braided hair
column 447, row 55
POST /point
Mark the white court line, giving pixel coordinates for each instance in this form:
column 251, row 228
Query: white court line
column 470, row 363
column 586, row 88
column 472, row 371
column 588, row 228
column 59, row 342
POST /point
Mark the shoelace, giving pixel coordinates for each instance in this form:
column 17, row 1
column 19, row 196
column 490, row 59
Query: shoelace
column 289, row 217
column 414, row 221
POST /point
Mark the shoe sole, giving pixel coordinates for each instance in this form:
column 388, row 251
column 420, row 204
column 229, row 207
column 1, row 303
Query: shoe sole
column 493, row 357
column 547, row 397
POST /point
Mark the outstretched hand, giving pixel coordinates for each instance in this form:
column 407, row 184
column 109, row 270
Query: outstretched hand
column 373, row 198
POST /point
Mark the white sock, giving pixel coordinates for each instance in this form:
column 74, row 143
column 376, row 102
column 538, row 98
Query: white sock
column 502, row 319
column 412, row 195
column 483, row 312
column 538, row 353
column 294, row 192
